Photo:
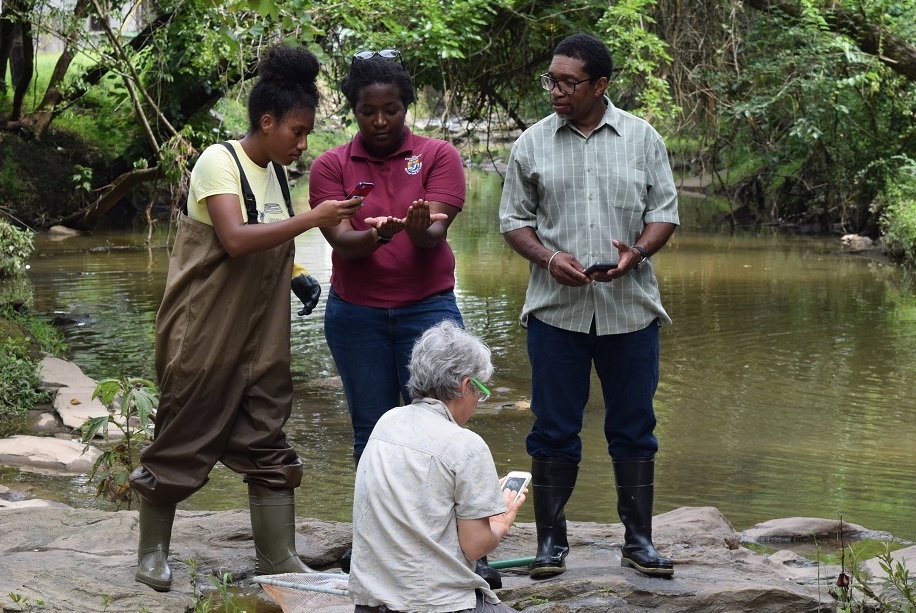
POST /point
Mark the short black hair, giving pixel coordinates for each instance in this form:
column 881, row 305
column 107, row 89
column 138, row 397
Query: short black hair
column 287, row 83
column 377, row 70
column 585, row 47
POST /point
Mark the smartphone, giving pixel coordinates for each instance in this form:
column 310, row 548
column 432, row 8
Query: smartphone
column 600, row 267
column 517, row 481
column 362, row 189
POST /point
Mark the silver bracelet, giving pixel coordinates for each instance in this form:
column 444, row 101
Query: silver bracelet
column 550, row 261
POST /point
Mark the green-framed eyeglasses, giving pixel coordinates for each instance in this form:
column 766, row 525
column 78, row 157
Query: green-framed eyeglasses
column 484, row 392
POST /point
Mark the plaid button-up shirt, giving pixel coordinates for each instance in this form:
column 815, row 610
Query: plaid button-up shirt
column 579, row 193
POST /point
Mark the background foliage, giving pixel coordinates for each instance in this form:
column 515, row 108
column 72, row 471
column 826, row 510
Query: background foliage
column 801, row 111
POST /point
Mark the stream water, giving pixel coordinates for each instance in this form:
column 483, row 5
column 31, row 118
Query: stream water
column 786, row 378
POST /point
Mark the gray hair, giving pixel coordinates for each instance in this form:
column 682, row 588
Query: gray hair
column 442, row 357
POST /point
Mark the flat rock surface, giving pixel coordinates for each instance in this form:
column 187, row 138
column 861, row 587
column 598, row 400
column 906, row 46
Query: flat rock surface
column 70, row 559
column 47, row 454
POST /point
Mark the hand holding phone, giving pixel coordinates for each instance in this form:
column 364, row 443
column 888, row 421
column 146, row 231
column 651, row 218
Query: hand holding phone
column 362, row 190
column 600, row 267
column 517, row 481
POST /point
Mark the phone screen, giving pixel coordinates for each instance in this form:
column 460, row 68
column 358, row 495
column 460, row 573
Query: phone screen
column 515, row 483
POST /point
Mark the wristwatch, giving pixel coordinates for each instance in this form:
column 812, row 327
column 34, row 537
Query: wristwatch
column 644, row 255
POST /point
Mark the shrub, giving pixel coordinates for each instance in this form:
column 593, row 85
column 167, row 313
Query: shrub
column 18, row 380
column 15, row 249
column 898, row 221
column 135, row 400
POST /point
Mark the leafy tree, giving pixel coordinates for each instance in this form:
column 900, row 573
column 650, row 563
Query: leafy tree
column 814, row 125
column 804, row 107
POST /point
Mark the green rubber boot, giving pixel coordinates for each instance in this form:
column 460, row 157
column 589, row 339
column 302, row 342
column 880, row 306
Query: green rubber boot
column 153, row 550
column 273, row 526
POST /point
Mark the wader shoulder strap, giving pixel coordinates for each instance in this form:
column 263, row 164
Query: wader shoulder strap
column 284, row 187
column 251, row 204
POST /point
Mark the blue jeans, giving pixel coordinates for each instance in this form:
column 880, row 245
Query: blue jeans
column 561, row 367
column 371, row 347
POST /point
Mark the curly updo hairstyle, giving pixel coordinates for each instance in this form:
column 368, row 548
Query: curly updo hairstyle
column 377, row 70
column 287, row 83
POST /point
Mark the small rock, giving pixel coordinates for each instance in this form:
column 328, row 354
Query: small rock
column 854, row 242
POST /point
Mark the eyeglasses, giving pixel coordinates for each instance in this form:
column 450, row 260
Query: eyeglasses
column 567, row 88
column 484, row 393
column 388, row 54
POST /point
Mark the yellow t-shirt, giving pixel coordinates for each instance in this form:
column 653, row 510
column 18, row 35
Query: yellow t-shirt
column 217, row 173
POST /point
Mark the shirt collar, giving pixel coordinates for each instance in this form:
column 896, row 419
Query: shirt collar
column 611, row 119
column 437, row 407
column 358, row 150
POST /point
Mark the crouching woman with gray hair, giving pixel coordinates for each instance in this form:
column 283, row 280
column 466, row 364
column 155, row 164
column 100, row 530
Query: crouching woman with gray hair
column 427, row 501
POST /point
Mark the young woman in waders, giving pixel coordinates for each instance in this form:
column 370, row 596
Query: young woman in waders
column 223, row 328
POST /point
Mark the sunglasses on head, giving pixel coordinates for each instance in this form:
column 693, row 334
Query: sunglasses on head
column 388, row 54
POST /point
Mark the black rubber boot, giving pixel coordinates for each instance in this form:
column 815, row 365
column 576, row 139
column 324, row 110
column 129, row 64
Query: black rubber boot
column 490, row 575
column 153, row 550
column 552, row 483
column 635, row 493
column 273, row 526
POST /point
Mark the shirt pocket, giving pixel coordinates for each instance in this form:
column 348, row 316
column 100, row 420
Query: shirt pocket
column 627, row 188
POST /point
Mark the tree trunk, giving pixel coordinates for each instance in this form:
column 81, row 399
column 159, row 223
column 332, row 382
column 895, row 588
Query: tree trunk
column 119, row 188
column 21, row 84
column 44, row 112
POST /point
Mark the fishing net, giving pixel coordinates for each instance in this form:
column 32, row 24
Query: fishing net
column 309, row 592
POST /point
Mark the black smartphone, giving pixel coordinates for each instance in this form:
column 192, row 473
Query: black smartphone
column 600, row 267
column 362, row 189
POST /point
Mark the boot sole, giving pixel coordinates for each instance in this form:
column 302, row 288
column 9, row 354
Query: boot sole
column 652, row 572
column 545, row 572
column 159, row 586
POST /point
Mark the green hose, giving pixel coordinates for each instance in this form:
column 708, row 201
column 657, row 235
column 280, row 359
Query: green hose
column 510, row 563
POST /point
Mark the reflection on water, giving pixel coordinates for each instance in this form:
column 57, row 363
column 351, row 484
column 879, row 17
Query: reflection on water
column 784, row 377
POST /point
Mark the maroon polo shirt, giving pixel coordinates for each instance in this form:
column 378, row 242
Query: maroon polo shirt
column 396, row 274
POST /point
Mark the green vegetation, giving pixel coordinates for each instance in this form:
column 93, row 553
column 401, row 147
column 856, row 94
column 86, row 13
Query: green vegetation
column 854, row 591
column 23, row 338
column 15, row 244
column 893, row 592
column 898, row 215
column 23, row 603
column 132, row 403
column 19, row 388
column 801, row 109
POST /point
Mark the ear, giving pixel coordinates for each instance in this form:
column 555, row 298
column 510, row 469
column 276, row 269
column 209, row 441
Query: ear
column 467, row 386
column 267, row 122
column 601, row 86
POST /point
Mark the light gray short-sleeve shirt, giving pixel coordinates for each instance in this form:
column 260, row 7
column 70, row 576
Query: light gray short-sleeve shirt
column 580, row 193
column 419, row 473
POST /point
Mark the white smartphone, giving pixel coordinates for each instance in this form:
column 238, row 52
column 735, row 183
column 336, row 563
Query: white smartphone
column 517, row 481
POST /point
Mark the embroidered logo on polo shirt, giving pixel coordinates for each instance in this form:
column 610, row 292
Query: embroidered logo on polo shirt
column 413, row 165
